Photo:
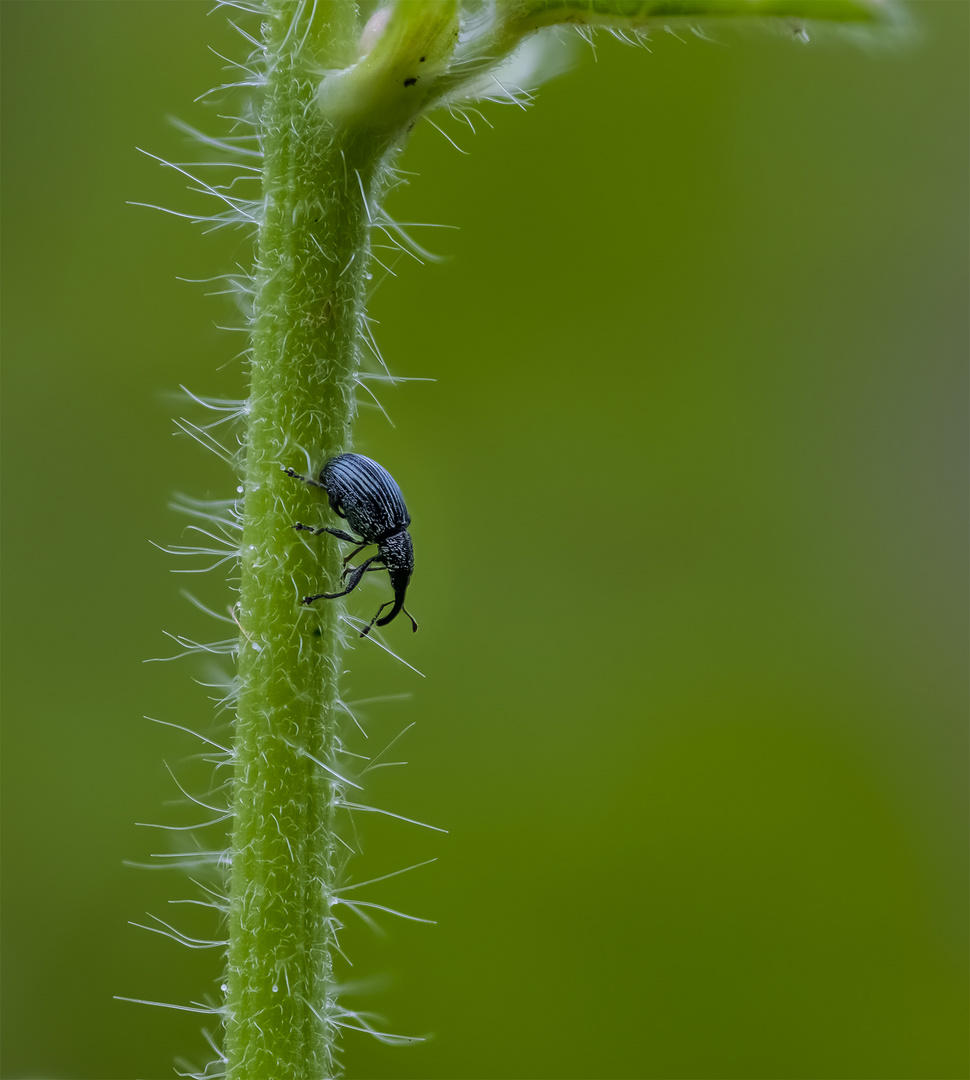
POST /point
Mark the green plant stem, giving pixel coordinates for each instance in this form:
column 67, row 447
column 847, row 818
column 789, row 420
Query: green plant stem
column 310, row 289
column 324, row 160
column 328, row 123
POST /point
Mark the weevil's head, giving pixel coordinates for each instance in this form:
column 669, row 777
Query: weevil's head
column 397, row 554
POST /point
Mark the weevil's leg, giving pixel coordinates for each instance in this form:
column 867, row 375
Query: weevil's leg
column 358, row 573
column 414, row 625
column 367, row 629
column 356, row 551
column 305, row 479
column 339, row 533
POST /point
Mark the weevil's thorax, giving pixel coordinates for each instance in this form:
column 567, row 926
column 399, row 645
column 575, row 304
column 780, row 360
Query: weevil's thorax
column 397, row 554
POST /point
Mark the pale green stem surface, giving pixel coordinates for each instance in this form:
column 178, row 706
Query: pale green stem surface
column 515, row 20
column 311, row 260
column 322, row 182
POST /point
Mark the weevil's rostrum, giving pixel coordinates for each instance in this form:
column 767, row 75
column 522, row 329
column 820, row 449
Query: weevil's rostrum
column 367, row 497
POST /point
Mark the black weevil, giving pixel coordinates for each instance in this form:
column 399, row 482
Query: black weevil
column 368, row 498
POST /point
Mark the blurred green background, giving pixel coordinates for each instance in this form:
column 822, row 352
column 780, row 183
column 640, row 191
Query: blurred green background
column 689, row 500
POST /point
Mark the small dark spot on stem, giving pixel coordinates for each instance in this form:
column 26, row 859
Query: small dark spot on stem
column 422, row 60
column 410, row 82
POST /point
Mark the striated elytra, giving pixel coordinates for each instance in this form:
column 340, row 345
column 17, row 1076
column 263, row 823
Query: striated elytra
column 367, row 497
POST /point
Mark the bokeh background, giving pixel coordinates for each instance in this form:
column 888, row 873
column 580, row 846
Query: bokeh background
column 689, row 500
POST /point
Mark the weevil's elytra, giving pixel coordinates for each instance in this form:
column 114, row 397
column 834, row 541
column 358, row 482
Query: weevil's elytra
column 367, row 497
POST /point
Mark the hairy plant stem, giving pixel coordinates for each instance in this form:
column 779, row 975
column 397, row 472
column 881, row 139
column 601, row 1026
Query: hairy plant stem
column 310, row 289
column 328, row 122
